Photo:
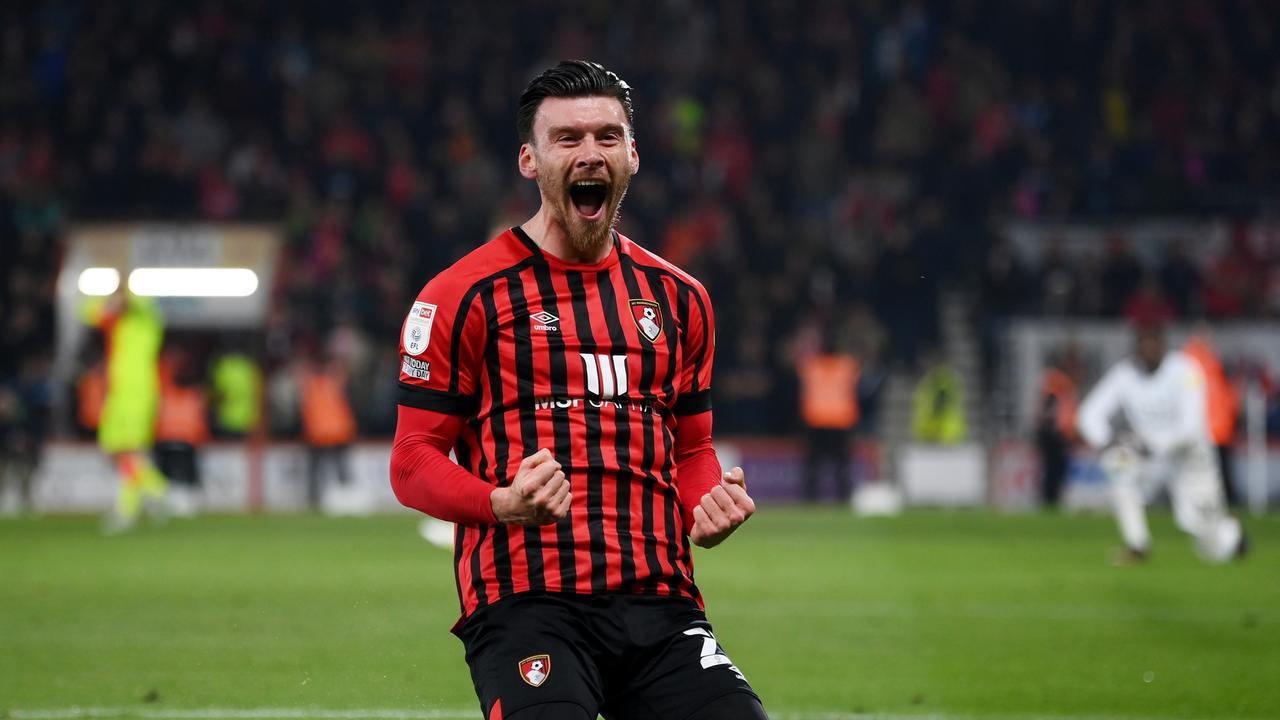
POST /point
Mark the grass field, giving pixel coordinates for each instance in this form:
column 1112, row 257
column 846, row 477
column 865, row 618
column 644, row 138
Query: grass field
column 931, row 615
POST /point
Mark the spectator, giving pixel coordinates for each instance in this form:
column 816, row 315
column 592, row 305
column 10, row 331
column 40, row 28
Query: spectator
column 1180, row 279
column 1147, row 305
column 182, row 427
column 1222, row 405
column 329, row 428
column 1121, row 275
column 24, row 425
column 1059, row 282
column 938, row 416
column 1056, row 423
column 829, row 409
column 237, row 394
column 1233, row 283
column 906, row 298
column 1003, row 296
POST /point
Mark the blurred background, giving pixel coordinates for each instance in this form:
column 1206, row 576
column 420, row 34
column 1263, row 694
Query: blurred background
column 958, row 196
column 927, row 229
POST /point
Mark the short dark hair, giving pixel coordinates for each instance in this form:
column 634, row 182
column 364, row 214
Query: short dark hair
column 570, row 78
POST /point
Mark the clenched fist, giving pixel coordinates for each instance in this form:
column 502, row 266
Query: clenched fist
column 722, row 510
column 539, row 494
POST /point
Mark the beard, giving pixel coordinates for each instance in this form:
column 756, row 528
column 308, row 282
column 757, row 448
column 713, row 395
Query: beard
column 586, row 236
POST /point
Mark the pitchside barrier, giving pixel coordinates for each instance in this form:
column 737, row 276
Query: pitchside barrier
column 74, row 477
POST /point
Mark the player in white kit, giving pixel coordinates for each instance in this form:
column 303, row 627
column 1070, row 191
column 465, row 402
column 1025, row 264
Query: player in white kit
column 1162, row 400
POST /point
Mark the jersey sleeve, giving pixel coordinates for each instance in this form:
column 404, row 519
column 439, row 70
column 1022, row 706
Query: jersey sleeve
column 441, row 342
column 1190, row 423
column 1094, row 418
column 697, row 467
column 699, row 354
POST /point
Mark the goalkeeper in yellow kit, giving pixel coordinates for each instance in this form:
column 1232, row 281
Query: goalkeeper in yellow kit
column 133, row 330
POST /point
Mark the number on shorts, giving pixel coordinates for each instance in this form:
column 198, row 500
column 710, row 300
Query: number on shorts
column 712, row 655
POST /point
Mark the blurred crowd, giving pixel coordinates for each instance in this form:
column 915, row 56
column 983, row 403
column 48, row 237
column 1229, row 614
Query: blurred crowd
column 826, row 168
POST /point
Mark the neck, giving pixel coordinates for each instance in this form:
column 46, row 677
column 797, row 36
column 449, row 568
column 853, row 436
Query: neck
column 550, row 235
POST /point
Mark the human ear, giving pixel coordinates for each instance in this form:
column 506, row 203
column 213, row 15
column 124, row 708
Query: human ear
column 528, row 162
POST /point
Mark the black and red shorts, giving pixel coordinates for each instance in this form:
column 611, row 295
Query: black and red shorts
column 625, row 657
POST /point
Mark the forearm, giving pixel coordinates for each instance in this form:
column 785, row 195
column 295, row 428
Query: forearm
column 1094, row 418
column 423, row 477
column 697, row 467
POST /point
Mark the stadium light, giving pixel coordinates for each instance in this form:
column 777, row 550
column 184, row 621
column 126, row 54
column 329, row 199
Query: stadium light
column 98, row 281
column 193, row 282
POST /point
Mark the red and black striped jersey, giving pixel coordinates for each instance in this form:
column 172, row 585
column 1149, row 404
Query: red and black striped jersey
column 594, row 362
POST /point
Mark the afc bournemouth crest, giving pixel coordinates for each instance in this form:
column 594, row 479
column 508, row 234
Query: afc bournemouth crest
column 648, row 319
column 535, row 670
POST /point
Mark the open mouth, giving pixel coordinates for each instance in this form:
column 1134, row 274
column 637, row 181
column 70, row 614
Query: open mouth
column 588, row 198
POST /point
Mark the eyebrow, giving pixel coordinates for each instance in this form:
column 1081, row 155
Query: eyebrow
column 577, row 130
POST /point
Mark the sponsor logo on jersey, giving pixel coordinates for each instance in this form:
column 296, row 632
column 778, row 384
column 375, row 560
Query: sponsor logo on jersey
column 535, row 670
column 413, row 367
column 573, row 403
column 545, row 321
column 417, row 327
column 606, row 375
column 648, row 319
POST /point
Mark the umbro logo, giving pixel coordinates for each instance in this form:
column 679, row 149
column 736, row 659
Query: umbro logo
column 545, row 321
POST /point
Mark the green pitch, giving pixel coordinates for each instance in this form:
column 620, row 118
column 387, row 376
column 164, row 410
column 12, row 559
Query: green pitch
column 931, row 615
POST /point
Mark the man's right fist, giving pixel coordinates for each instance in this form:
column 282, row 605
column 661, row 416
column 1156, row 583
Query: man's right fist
column 539, row 494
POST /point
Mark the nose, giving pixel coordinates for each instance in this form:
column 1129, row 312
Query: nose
column 590, row 157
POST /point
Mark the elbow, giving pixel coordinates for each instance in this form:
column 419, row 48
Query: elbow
column 401, row 478
column 1092, row 434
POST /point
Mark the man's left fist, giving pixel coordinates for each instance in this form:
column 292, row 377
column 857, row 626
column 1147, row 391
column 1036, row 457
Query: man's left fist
column 722, row 510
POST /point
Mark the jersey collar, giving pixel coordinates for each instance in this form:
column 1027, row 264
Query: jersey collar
column 609, row 261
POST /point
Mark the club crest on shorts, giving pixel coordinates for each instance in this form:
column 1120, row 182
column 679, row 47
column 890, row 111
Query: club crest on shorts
column 535, row 670
column 648, row 319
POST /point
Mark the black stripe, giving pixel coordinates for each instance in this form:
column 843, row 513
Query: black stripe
column 676, row 533
column 459, row 536
column 675, row 341
column 625, row 476
column 595, row 461
column 693, row 403
column 529, row 243
column 477, row 580
column 436, row 400
column 477, row 467
column 701, row 353
column 455, row 341
column 559, row 418
column 648, row 367
column 501, row 444
column 525, row 389
column 664, row 272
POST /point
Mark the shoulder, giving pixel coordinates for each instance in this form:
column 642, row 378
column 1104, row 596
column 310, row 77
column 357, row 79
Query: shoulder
column 1184, row 365
column 1122, row 371
column 500, row 254
column 475, row 269
column 649, row 260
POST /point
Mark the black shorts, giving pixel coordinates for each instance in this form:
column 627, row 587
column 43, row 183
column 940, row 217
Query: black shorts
column 625, row 657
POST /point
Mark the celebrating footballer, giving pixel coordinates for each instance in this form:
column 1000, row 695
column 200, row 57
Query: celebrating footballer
column 569, row 371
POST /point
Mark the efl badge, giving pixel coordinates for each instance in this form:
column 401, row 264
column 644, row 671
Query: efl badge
column 536, row 669
column 417, row 327
column 648, row 319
